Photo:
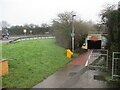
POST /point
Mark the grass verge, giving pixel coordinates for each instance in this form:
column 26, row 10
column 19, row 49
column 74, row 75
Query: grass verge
column 32, row 61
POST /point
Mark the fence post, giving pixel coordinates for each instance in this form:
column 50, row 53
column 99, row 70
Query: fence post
column 112, row 64
column 107, row 60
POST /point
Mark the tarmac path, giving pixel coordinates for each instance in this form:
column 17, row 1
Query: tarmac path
column 73, row 75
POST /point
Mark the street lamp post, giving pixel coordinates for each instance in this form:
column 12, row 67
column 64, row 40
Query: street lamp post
column 73, row 32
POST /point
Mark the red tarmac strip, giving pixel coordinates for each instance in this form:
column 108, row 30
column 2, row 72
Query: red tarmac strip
column 81, row 60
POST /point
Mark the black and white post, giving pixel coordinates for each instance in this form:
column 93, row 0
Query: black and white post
column 73, row 32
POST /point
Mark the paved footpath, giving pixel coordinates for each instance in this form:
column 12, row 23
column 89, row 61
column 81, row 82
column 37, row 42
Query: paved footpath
column 69, row 76
column 82, row 59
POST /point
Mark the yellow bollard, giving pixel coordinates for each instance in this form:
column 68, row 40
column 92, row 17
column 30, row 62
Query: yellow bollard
column 3, row 67
column 69, row 53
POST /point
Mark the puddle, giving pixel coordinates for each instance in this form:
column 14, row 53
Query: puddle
column 99, row 77
column 72, row 74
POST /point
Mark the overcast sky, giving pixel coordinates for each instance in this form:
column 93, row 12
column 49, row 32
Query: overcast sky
column 19, row 12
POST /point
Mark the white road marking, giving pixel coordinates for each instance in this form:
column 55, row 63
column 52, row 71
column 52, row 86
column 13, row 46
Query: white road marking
column 86, row 64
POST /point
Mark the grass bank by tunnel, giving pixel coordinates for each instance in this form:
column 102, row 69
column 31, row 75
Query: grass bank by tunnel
column 31, row 62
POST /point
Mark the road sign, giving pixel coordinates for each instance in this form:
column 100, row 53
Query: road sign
column 72, row 34
column 24, row 30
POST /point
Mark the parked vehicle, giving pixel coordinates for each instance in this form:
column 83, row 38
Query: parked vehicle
column 4, row 34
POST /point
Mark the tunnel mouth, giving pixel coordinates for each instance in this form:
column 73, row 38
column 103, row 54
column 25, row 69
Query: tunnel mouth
column 94, row 44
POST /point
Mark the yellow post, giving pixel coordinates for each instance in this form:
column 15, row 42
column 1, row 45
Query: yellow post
column 3, row 67
column 69, row 53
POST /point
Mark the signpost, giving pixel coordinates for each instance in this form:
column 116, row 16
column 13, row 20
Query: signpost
column 31, row 32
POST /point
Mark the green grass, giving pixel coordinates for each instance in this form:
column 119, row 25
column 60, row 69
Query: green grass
column 75, row 54
column 33, row 61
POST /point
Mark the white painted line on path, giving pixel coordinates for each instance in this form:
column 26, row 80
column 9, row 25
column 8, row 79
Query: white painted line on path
column 86, row 64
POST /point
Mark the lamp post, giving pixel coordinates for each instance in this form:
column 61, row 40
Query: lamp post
column 73, row 32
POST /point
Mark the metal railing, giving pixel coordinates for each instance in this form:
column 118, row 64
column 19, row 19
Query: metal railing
column 32, row 38
column 115, row 66
column 96, row 55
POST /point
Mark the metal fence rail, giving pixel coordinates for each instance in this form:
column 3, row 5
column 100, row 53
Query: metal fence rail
column 115, row 67
column 97, row 53
column 32, row 38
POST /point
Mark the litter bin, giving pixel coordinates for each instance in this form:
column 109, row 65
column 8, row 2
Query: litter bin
column 3, row 67
column 69, row 53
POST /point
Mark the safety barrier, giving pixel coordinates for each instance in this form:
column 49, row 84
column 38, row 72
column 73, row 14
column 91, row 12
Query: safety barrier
column 32, row 38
